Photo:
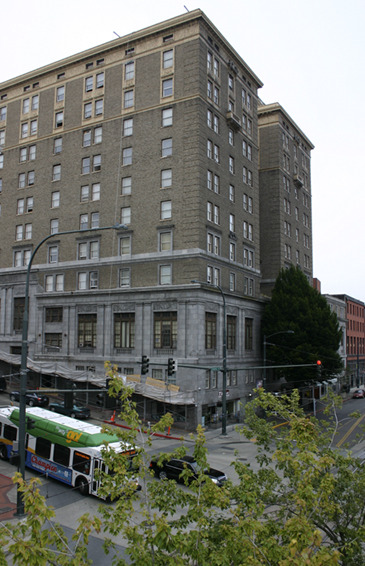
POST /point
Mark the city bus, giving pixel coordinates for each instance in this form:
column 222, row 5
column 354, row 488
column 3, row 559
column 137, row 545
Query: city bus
column 60, row 447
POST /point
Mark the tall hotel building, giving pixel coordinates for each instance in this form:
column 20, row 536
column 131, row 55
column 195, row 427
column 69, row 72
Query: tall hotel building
column 157, row 133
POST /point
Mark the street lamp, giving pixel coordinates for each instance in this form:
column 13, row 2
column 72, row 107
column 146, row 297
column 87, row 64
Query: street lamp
column 270, row 336
column 24, row 353
column 224, row 367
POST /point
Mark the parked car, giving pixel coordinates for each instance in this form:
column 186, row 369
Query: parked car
column 358, row 394
column 31, row 399
column 172, row 469
column 76, row 411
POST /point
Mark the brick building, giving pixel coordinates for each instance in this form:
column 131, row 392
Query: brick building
column 355, row 339
column 156, row 134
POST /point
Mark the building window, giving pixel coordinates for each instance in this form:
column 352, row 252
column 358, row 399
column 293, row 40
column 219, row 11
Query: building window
column 167, row 88
column 128, row 98
column 232, row 282
column 248, row 334
column 94, row 220
column 125, row 277
column 216, row 215
column 231, row 223
column 165, row 330
column 165, row 275
column 96, row 162
column 210, row 211
column 55, row 199
column 54, row 226
column 209, row 118
column 125, row 216
column 59, row 119
column 210, row 330
column 165, row 241
column 98, row 134
column 209, row 180
column 165, row 210
column 231, row 164
column 89, row 84
column 166, row 147
column 86, row 138
column 232, row 251
column 210, row 149
column 231, row 193
column 85, row 165
column 19, row 306
column 88, row 110
column 128, row 127
column 57, row 146
column 231, row 332
column 216, row 153
column 166, row 117
column 248, row 286
column 124, row 330
column 166, row 178
column 127, row 156
column 19, row 232
column 53, row 340
column 20, row 206
column 2, row 113
column 56, row 174
column 99, row 107
column 210, row 90
column 216, row 184
column 60, row 93
column 53, row 254
column 168, row 59
column 126, row 185
column 129, row 71
column 230, row 137
column 100, row 80
column 31, row 176
column 23, row 154
column 87, row 330
column 216, row 95
column 24, row 128
column 125, row 245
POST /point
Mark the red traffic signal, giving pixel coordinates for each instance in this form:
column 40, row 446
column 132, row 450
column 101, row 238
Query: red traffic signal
column 319, row 363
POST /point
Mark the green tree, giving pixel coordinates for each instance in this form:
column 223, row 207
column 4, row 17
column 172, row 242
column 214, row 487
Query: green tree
column 36, row 540
column 315, row 333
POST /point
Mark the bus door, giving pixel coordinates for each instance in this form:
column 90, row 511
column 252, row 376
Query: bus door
column 97, row 467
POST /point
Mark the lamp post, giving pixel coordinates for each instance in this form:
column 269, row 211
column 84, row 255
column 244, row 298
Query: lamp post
column 224, row 353
column 270, row 336
column 24, row 354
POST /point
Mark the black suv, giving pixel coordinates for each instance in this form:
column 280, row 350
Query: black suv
column 172, row 469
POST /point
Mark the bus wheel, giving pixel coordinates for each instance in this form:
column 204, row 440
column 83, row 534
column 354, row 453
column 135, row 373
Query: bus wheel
column 82, row 485
column 3, row 452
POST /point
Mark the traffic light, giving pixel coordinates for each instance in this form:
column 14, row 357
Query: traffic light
column 100, row 399
column 145, row 365
column 319, row 369
column 170, row 366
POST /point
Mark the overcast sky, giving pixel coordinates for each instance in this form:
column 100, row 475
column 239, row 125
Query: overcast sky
column 309, row 55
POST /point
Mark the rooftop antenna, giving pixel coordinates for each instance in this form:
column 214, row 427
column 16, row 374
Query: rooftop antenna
column 117, row 34
column 185, row 9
